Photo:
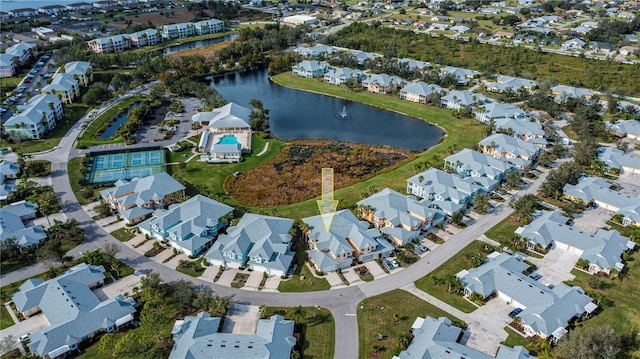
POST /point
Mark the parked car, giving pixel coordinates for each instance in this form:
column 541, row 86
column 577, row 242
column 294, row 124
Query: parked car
column 24, row 337
column 515, row 312
column 422, row 247
column 535, row 276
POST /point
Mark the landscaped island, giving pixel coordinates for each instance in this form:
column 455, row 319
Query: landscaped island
column 295, row 174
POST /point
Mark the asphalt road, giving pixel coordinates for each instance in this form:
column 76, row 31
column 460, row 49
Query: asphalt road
column 341, row 302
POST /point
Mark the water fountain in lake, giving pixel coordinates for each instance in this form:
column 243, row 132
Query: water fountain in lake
column 343, row 115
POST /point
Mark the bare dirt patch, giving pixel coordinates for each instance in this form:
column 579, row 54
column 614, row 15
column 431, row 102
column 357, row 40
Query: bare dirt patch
column 295, row 174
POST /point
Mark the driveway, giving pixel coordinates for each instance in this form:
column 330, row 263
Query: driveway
column 124, row 285
column 241, row 319
column 486, row 326
column 556, row 266
column 30, row 325
column 630, row 183
column 592, row 219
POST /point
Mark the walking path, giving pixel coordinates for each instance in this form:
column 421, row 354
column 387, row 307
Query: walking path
column 341, row 302
column 266, row 147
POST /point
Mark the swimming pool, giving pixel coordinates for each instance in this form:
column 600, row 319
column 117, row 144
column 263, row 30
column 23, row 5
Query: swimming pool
column 228, row 140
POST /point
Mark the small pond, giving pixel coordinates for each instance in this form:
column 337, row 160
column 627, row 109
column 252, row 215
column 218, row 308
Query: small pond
column 115, row 125
column 196, row 44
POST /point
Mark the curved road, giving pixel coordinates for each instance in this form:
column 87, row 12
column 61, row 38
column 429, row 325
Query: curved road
column 341, row 302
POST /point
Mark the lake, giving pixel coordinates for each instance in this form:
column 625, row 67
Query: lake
column 296, row 114
column 115, row 125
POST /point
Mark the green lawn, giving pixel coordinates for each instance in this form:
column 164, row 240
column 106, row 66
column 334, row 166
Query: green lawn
column 85, row 194
column 503, row 231
column 44, row 165
column 123, row 234
column 620, row 308
column 514, row 339
column 309, row 284
column 192, row 268
column 5, row 318
column 88, row 137
column 208, row 179
column 318, row 330
column 376, row 316
column 451, row 267
column 72, row 113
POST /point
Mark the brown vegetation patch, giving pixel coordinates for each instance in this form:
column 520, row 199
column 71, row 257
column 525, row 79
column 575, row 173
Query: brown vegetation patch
column 295, row 174
column 207, row 52
column 160, row 18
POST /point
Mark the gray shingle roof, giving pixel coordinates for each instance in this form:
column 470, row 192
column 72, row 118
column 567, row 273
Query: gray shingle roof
column 12, row 225
column 70, row 307
column 256, row 237
column 544, row 309
column 399, row 209
column 198, row 338
column 230, row 115
column 438, row 339
column 421, row 88
column 440, row 185
column 590, row 189
column 631, row 127
column 614, row 158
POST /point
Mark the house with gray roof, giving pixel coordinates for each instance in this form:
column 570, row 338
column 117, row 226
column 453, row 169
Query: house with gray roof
column 81, row 71
column 348, row 241
column 74, row 313
column 8, row 173
column 561, row 93
column 504, row 83
column 524, row 128
column 35, row 118
column 64, row 85
column 614, row 158
column 362, row 56
column 438, row 339
column 198, row 337
column 457, row 99
column 498, row 111
column 628, row 128
column 602, row 250
column 341, row 75
column 13, row 224
column 463, row 76
column 228, row 133
column 262, row 243
column 478, row 168
column 414, row 65
column 310, row 68
column 448, row 192
column 544, row 310
column 137, row 199
column 419, row 91
column 573, row 44
column 382, row 83
column 630, row 215
column 597, row 190
column 190, row 226
column 400, row 218
column 519, row 153
column 316, row 50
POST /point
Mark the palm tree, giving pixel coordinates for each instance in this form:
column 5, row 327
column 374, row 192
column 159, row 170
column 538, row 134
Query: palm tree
column 297, row 313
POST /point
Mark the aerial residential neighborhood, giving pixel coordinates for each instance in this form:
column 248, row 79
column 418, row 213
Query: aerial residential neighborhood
column 319, row 179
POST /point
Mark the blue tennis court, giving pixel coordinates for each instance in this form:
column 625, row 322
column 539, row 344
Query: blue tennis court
column 110, row 166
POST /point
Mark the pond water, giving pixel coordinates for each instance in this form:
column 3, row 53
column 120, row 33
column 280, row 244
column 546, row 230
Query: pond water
column 296, row 114
column 115, row 125
column 196, row 44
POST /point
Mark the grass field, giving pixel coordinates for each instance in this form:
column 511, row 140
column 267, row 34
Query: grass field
column 88, row 137
column 503, row 231
column 123, row 234
column 376, row 316
column 451, row 267
column 72, row 113
column 5, row 318
column 514, row 339
column 318, row 330
column 309, row 284
column 620, row 305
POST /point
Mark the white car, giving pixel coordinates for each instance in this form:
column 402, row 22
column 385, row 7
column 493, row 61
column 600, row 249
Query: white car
column 24, row 337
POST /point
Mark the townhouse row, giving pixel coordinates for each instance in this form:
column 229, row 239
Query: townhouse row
column 41, row 113
column 149, row 37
